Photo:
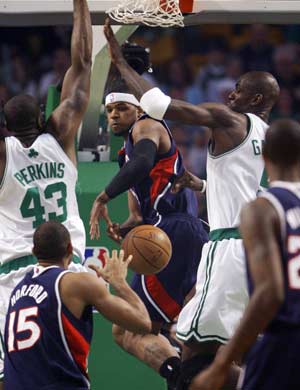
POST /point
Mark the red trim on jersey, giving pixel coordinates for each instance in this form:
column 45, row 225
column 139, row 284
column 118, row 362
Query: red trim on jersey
column 186, row 6
column 121, row 151
column 161, row 174
column 78, row 345
column 160, row 296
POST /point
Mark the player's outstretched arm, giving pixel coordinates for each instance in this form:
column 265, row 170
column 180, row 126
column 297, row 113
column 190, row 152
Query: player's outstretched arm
column 137, row 84
column 66, row 119
column 260, row 229
column 126, row 309
column 159, row 106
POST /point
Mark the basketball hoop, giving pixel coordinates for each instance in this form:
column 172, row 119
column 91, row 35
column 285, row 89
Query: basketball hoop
column 153, row 13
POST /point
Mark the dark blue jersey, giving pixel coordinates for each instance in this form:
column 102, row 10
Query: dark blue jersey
column 153, row 192
column 285, row 197
column 46, row 346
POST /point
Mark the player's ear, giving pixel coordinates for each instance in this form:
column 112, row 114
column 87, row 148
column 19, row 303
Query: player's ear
column 257, row 100
column 70, row 248
column 33, row 251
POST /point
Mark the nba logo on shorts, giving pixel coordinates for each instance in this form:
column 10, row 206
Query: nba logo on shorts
column 95, row 255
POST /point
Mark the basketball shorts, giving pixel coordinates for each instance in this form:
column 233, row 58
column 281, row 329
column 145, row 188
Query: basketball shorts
column 8, row 281
column 221, row 294
column 163, row 293
column 273, row 362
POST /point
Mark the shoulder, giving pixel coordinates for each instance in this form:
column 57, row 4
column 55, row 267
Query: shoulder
column 78, row 282
column 147, row 128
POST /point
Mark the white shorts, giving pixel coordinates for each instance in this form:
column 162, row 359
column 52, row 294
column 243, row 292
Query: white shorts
column 7, row 284
column 221, row 296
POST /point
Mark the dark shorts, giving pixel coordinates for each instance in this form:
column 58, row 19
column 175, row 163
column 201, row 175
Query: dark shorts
column 273, row 363
column 164, row 293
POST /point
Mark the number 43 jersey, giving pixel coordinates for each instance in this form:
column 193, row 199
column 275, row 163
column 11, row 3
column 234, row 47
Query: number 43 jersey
column 38, row 185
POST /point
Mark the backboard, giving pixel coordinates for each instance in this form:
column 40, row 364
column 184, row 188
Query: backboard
column 58, row 12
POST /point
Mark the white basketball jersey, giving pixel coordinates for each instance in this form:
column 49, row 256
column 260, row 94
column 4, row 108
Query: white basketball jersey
column 234, row 177
column 38, row 185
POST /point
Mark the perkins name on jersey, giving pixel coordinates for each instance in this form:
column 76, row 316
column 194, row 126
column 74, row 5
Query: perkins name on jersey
column 35, row 291
column 40, row 171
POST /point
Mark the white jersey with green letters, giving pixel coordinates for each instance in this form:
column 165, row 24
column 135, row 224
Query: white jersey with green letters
column 38, row 185
column 234, row 177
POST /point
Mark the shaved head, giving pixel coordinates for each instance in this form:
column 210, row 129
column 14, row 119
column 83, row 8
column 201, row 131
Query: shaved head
column 262, row 83
column 255, row 92
column 51, row 241
column 21, row 113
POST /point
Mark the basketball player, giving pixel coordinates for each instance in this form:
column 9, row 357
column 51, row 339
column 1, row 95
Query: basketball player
column 38, row 165
column 49, row 321
column 149, row 163
column 234, row 171
column 270, row 227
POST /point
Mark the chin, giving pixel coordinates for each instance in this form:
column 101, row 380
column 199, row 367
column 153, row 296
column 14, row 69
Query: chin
column 120, row 133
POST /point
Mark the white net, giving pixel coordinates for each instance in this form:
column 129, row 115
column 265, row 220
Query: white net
column 161, row 13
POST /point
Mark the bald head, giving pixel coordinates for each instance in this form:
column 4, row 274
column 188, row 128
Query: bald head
column 21, row 113
column 51, row 242
column 255, row 92
column 282, row 143
column 262, row 83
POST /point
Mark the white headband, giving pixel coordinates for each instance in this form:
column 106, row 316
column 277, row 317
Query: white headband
column 115, row 97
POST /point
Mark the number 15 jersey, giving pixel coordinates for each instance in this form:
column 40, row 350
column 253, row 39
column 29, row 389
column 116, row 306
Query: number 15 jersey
column 38, row 185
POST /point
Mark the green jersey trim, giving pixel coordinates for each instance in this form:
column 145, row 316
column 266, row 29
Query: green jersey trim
column 25, row 261
column 224, row 234
column 249, row 128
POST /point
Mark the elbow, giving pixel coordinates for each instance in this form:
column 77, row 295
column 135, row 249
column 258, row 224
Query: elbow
column 145, row 166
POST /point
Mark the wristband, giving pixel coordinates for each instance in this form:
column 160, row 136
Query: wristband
column 204, row 187
column 155, row 103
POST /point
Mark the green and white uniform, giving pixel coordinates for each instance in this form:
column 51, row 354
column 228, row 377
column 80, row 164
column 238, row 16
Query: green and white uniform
column 38, row 185
column 233, row 179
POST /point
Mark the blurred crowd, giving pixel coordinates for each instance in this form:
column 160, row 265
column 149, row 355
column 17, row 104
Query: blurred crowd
column 197, row 64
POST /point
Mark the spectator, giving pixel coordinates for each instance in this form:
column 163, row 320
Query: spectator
column 257, row 54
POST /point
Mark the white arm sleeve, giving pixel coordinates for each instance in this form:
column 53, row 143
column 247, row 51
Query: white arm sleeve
column 155, row 103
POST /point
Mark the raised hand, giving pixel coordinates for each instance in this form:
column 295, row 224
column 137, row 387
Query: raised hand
column 115, row 269
column 114, row 48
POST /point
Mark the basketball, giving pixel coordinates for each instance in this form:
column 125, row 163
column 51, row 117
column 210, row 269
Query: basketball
column 150, row 247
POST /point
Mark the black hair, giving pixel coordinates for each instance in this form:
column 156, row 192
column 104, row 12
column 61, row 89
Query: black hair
column 282, row 143
column 51, row 241
column 22, row 112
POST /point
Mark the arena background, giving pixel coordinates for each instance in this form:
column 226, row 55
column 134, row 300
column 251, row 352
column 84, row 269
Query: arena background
column 199, row 63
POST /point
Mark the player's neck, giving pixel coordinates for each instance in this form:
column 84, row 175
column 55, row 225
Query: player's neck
column 283, row 174
column 27, row 137
column 45, row 263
